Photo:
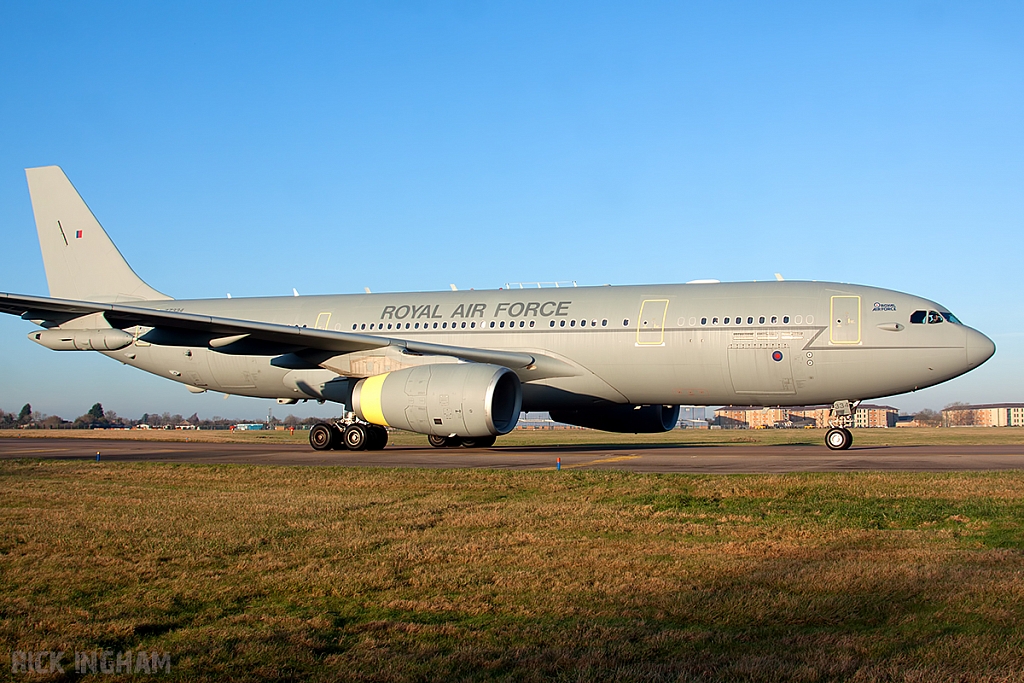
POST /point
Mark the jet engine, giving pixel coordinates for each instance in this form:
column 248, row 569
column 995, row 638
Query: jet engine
column 464, row 399
column 622, row 418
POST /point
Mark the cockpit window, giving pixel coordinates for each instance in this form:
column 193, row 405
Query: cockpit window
column 918, row 317
column 950, row 317
column 934, row 318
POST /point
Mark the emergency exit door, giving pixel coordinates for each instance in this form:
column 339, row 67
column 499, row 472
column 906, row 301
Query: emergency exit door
column 650, row 330
column 844, row 325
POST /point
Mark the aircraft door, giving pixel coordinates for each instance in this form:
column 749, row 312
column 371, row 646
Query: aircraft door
column 844, row 324
column 650, row 329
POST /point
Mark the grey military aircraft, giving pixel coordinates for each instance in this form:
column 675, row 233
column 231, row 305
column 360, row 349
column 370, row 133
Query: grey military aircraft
column 460, row 366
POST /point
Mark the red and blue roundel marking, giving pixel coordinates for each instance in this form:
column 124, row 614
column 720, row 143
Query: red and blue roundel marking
column 776, row 356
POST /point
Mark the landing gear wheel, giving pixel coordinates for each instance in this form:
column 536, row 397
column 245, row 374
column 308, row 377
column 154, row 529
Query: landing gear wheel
column 838, row 439
column 479, row 442
column 377, row 438
column 444, row 441
column 322, row 437
column 356, row 437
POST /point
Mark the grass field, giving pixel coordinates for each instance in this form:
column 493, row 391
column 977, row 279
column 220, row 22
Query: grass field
column 727, row 437
column 263, row 573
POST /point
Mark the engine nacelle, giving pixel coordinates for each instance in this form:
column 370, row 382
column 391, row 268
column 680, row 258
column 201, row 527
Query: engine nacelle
column 622, row 418
column 465, row 399
column 109, row 339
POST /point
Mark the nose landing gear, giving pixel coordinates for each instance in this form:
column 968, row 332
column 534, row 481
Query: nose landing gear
column 839, row 437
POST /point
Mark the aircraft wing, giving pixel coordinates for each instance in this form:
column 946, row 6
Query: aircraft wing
column 228, row 335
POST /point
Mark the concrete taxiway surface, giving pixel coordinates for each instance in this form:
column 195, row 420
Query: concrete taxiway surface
column 647, row 458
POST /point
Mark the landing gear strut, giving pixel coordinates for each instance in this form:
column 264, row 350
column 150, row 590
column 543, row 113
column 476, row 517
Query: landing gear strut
column 838, row 437
column 348, row 432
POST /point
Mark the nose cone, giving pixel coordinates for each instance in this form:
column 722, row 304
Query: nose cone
column 979, row 348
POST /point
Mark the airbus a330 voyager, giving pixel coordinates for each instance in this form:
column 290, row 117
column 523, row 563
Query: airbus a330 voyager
column 460, row 366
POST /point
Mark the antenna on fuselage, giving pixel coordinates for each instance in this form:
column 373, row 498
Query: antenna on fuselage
column 778, row 276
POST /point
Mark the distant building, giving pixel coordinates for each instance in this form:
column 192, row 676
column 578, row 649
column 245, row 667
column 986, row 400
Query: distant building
column 756, row 417
column 985, row 415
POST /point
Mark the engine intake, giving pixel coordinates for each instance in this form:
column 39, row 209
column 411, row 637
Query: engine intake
column 622, row 418
column 465, row 399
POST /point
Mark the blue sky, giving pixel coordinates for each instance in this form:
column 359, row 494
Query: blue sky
column 255, row 147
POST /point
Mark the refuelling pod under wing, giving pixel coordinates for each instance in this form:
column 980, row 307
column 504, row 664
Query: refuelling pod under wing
column 464, row 399
column 110, row 339
column 622, row 418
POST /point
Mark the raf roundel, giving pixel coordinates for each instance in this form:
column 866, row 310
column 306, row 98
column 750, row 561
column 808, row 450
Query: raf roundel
column 776, row 356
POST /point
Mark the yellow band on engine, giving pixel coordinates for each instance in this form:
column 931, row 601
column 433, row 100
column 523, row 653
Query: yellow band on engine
column 369, row 399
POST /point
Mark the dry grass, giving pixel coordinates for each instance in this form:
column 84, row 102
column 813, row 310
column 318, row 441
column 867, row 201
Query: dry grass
column 732, row 437
column 347, row 574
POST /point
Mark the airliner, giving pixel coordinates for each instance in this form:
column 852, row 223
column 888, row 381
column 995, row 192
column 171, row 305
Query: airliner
column 461, row 366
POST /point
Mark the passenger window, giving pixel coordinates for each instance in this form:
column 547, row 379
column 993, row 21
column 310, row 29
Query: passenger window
column 364, row 326
column 561, row 323
column 492, row 324
column 572, row 323
column 532, row 322
column 625, row 323
column 604, row 323
column 785, row 320
column 760, row 321
column 435, row 326
column 714, row 321
column 750, row 320
column 703, row 321
column 522, row 323
column 917, row 317
column 501, row 324
column 552, row 323
column 444, row 326
column 775, row 319
column 583, row 323
column 726, row 321
column 593, row 323
column 473, row 325
column 389, row 326
column 934, row 318
column 409, row 326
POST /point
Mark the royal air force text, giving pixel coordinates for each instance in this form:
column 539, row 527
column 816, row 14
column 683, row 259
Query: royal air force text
column 514, row 309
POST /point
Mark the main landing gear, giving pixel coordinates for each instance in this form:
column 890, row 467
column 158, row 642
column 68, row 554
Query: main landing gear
column 347, row 433
column 464, row 441
column 838, row 437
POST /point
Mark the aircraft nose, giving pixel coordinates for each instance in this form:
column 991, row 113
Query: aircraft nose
column 979, row 348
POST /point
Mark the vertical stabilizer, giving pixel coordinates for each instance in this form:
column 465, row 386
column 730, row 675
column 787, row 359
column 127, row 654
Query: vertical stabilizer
column 80, row 260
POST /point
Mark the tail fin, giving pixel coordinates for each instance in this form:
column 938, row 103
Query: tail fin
column 80, row 260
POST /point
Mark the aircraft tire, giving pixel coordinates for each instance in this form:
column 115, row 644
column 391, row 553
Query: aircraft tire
column 838, row 439
column 321, row 437
column 378, row 438
column 357, row 437
column 437, row 441
column 479, row 442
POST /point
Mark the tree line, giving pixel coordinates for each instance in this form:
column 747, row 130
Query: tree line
column 99, row 418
